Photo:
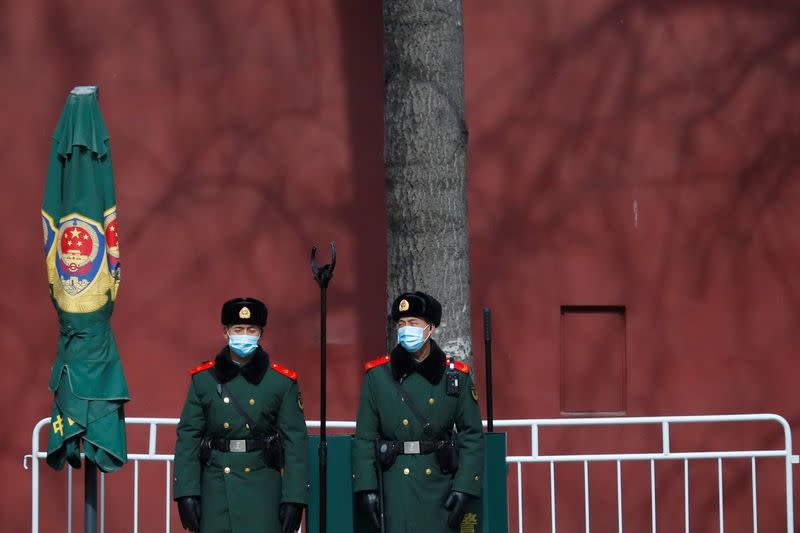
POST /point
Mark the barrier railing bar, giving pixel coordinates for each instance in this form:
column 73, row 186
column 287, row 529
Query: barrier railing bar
column 665, row 436
column 619, row 496
column 755, row 495
column 152, row 447
column 644, row 456
column 135, row 496
column 686, row 494
column 721, row 500
column 586, row 494
column 519, row 497
column 552, row 496
column 653, row 494
column 168, row 501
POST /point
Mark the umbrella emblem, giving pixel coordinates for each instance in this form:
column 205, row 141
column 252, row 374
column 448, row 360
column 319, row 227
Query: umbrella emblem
column 79, row 244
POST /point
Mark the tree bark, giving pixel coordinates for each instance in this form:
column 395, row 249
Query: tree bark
column 425, row 143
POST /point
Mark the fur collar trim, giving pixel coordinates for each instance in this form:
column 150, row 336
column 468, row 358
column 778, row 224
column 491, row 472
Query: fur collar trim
column 253, row 371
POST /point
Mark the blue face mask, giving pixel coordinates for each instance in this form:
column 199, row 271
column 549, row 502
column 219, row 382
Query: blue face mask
column 411, row 337
column 243, row 345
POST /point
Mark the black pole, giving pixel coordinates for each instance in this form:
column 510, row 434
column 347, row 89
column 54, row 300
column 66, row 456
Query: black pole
column 323, row 276
column 90, row 497
column 487, row 343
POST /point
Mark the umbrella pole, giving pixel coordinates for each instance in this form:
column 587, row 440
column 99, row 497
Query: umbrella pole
column 90, row 497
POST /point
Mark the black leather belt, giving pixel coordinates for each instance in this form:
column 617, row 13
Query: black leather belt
column 408, row 447
column 238, row 445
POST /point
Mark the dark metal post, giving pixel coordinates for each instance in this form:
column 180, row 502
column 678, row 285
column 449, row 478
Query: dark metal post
column 323, row 276
column 90, row 497
column 487, row 343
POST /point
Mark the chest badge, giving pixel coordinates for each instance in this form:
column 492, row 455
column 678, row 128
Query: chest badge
column 300, row 400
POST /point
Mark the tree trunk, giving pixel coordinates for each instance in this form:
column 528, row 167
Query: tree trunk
column 425, row 143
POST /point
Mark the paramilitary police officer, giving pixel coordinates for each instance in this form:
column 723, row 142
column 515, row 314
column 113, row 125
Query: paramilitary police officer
column 410, row 402
column 241, row 458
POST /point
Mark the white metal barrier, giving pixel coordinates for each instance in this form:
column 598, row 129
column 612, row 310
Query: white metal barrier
column 664, row 454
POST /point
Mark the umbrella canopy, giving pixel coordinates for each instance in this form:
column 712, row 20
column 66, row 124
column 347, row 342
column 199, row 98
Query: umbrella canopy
column 79, row 219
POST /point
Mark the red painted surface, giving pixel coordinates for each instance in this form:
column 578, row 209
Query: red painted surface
column 621, row 153
column 640, row 154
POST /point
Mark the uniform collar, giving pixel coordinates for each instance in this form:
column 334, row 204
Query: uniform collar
column 253, row 371
column 432, row 368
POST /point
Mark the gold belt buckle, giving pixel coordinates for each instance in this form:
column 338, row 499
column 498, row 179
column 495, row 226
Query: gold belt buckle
column 411, row 447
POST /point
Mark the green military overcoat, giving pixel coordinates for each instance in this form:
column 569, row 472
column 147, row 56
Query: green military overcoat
column 239, row 493
column 415, row 488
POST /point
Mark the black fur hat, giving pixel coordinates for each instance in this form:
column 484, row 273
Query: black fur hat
column 417, row 304
column 244, row 311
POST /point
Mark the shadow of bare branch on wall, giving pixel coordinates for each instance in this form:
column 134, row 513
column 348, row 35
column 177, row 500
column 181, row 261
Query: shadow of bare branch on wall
column 642, row 154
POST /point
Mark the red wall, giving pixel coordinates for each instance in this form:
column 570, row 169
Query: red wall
column 639, row 154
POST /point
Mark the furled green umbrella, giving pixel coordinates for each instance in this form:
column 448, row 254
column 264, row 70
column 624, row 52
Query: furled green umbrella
column 79, row 218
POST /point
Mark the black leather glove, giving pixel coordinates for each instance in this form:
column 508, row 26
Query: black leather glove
column 370, row 504
column 189, row 509
column 457, row 503
column 291, row 514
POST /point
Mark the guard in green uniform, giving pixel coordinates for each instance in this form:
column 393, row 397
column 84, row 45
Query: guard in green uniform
column 241, row 458
column 419, row 431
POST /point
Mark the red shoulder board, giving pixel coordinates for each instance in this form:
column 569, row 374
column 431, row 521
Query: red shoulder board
column 291, row 374
column 382, row 360
column 458, row 365
column 204, row 366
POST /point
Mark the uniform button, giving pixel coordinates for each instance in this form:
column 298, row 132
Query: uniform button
column 477, row 478
column 226, row 425
column 431, row 401
column 227, row 470
column 247, row 470
column 247, row 426
column 405, row 421
column 406, row 471
column 428, row 471
column 226, row 399
column 252, row 401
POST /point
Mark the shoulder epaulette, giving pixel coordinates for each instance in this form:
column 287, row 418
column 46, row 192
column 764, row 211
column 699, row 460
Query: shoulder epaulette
column 291, row 374
column 382, row 360
column 458, row 365
column 204, row 366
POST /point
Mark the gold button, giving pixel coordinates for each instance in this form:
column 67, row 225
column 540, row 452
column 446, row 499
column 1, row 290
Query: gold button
column 226, row 399
column 226, row 425
column 406, row 471
column 428, row 471
column 247, row 470
column 477, row 478
column 227, row 470
column 405, row 421
column 252, row 401
column 431, row 401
